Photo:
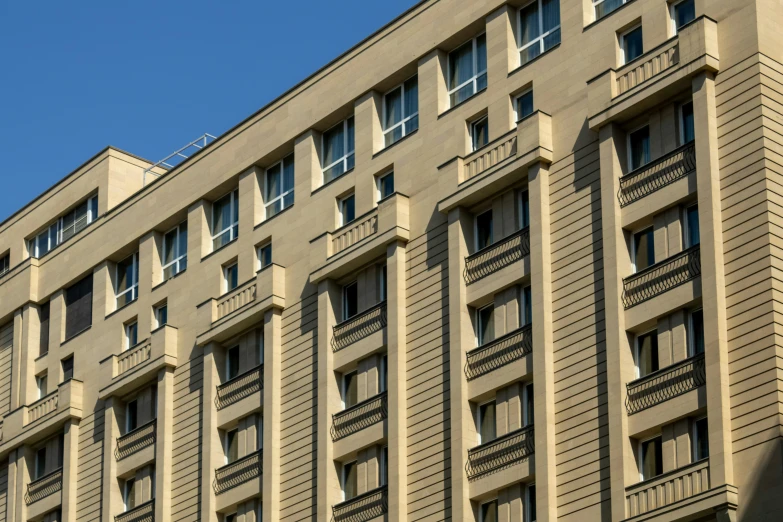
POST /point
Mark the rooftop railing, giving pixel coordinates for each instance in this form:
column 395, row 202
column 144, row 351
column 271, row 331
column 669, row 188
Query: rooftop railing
column 665, row 384
column 359, row 326
column 359, row 416
column 661, row 277
column 239, row 472
column 498, row 255
column 241, row 386
column 500, row 453
column 654, row 176
column 364, row 507
column 500, row 352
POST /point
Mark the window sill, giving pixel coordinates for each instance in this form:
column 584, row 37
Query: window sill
column 74, row 336
column 395, row 143
column 267, row 220
column 341, row 176
column 460, row 104
column 120, row 309
column 534, row 60
column 169, row 279
column 42, row 355
column 604, row 17
column 219, row 249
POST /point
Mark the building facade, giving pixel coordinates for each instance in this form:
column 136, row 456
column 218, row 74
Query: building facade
column 456, row 274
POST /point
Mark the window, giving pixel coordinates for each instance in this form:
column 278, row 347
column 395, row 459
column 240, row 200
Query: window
column 232, row 518
column 264, row 256
column 131, row 334
column 524, row 209
column 279, row 186
column 260, row 433
column 225, row 219
column 349, row 391
column 528, row 405
column 701, row 439
column 64, row 228
column 78, row 307
column 523, row 105
column 337, row 150
column 486, row 324
column 260, row 345
column 5, row 264
column 692, row 237
column 162, row 315
column 639, row 148
column 539, row 28
column 479, row 132
column 467, row 70
column 350, row 300
column 383, row 374
column 231, row 446
column 40, row 462
column 682, row 13
column 230, row 277
column 631, row 45
column 486, row 422
column 647, row 353
column 643, row 249
column 127, row 289
column 385, row 186
column 175, row 251
column 384, row 471
column 650, row 458
column 530, row 501
column 232, row 362
column 348, row 481
column 687, row 130
column 129, row 494
column 604, row 7
column 401, row 111
column 43, row 315
column 41, row 382
column 131, row 416
column 696, row 332
column 383, row 283
column 67, row 365
column 526, row 306
column 483, row 230
column 347, row 209
column 488, row 511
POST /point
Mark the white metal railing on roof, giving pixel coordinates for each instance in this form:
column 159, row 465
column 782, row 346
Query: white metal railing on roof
column 177, row 157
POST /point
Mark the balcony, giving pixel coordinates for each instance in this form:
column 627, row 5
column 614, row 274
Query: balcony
column 501, row 453
column 364, row 507
column 661, row 277
column 124, row 372
column 498, row 165
column 136, row 440
column 658, row 174
column 622, row 93
column 221, row 318
column 241, row 386
column 335, row 254
column 359, row 416
column 142, row 513
column 500, row 352
column 43, row 487
column 359, row 327
column 497, row 256
column 665, row 384
column 237, row 473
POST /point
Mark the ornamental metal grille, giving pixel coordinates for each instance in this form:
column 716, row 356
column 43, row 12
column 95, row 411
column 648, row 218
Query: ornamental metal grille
column 239, row 472
column 359, row 326
column 654, row 176
column 497, row 255
column 366, row 506
column 661, row 277
column 44, row 486
column 499, row 352
column 241, row 386
column 141, row 513
column 136, row 440
column 359, row 416
column 500, row 453
column 665, row 384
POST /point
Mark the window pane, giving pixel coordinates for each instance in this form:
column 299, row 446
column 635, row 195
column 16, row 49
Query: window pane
column 529, row 28
column 350, row 137
column 393, row 108
column 231, row 277
column 130, row 494
column 232, row 446
column 644, row 249
column 461, row 66
column 125, row 274
column 273, row 185
column 481, row 53
column 648, row 353
column 348, row 209
column 652, row 461
column 350, row 488
column 480, row 133
column 606, row 7
column 486, row 324
column 525, row 105
column 640, row 147
column 550, row 14
column 288, row 173
column 387, row 186
column 530, row 405
column 132, row 416
column 684, row 12
column 163, row 315
column 265, row 255
column 697, row 331
column 528, row 311
column 350, row 390
column 688, row 131
column 412, row 124
column 702, row 442
column 350, row 301
column 487, row 422
column 40, row 463
column 632, row 44
column 489, row 512
column 531, row 501
column 483, row 230
column 693, row 225
column 411, row 98
column 232, row 363
column 169, row 247
column 67, row 368
column 334, row 142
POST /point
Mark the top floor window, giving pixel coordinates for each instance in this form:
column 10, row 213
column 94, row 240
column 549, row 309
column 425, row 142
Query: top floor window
column 682, row 13
column 604, row 7
column 225, row 219
column 279, row 186
column 401, row 111
column 337, row 150
column 4, row 264
column 175, row 251
column 127, row 286
column 65, row 227
column 467, row 72
column 539, row 28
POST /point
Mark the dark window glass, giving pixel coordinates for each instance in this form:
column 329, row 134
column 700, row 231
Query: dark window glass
column 525, row 105
column 483, row 230
column 688, row 130
column 265, row 255
column 163, row 315
column 44, row 333
column 701, row 443
column 527, row 308
column 479, row 132
column 639, row 143
column 232, row 363
column 632, row 44
column 531, row 501
column 78, row 307
column 232, row 446
column 67, row 368
column 697, row 332
column 489, row 512
column 647, row 354
column 40, row 462
column 487, row 422
column 350, row 389
column 651, row 458
column 386, row 185
column 350, row 486
column 486, row 324
column 232, row 277
column 644, row 249
column 529, row 405
column 4, row 264
column 132, row 416
column 692, row 217
column 348, row 209
column 684, row 12
column 350, row 300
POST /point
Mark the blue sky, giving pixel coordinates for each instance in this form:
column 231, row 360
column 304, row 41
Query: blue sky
column 150, row 76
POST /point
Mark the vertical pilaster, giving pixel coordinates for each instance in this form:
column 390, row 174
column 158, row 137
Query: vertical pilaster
column 112, row 496
column 272, row 383
column 18, row 342
column 147, row 253
column 211, row 447
column 249, row 194
column 501, row 53
column 163, row 444
column 13, row 486
column 70, row 470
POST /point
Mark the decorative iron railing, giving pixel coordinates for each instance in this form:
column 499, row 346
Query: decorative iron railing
column 136, row 440
column 361, row 508
column 498, row 255
column 359, row 416
column 500, row 352
column 661, row 277
column 656, row 175
column 239, row 472
column 44, row 486
column 141, row 513
column 500, row 453
column 359, row 326
column 665, row 384
column 241, row 386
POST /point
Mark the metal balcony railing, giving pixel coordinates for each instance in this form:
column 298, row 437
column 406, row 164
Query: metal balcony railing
column 239, row 472
column 498, row 255
column 364, row 507
column 141, row 513
column 359, row 326
column 136, row 440
column 500, row 453
column 499, row 352
column 661, row 277
column 359, row 416
column 654, row 176
column 44, row 486
column 241, row 386
column 665, row 384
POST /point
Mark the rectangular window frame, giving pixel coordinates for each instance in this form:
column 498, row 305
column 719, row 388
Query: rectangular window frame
column 341, row 209
column 132, row 288
column 345, row 300
column 622, row 36
column 180, row 260
column 476, row 74
column 686, row 229
column 695, row 457
column 41, row 384
column 264, row 255
column 525, row 305
column 518, row 117
column 383, row 471
column 472, row 126
column 65, row 362
column 633, row 246
column 344, row 388
column 640, row 456
column 131, row 423
column 161, row 313
column 228, row 362
column 227, row 445
column 480, row 419
column 283, row 191
column 226, row 277
column 528, row 394
column 405, row 117
column 129, row 494
column 5, row 264
column 347, row 166
column 481, row 509
column 530, row 502
column 131, row 331
column 383, row 374
column 637, row 350
column 673, row 16
column 344, row 477
column 692, row 332
column 55, row 231
column 379, row 183
column 233, row 227
column 480, row 333
column 681, row 122
column 596, row 3
column 539, row 39
column 475, row 231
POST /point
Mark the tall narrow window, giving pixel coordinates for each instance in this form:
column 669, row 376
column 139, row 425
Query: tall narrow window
column 479, row 132
column 231, row 446
column 348, row 481
column 682, row 13
column 650, row 458
column 401, row 111
column 383, row 283
column 631, row 45
column 526, row 306
column 5, row 264
column 131, row 334
column 337, row 150
column 43, row 315
column 225, row 219
column 701, row 439
column 687, row 129
column 162, row 315
column 486, row 324
column 230, row 277
column 40, row 462
column 127, row 286
column 692, row 237
column 639, row 148
column 467, row 73
column 385, row 185
column 67, row 365
column 486, row 422
column 528, row 415
column 539, row 28
column 604, row 7
column 129, row 494
column 78, row 307
column 488, row 511
column 279, row 186
column 350, row 300
column 647, row 353
column 175, row 251
column 264, row 256
column 483, row 230
column 350, row 389
column 523, row 105
column 643, row 249
column 696, row 332
column 530, row 501
column 384, row 471
column 232, row 362
column 41, row 382
column 131, row 416
column 524, row 209
column 383, row 374
column 347, row 209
